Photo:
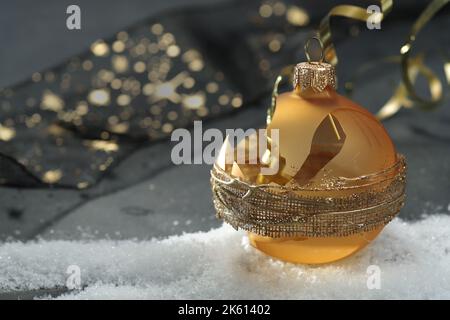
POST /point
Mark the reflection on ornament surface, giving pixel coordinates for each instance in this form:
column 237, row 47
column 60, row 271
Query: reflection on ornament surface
column 362, row 148
column 313, row 250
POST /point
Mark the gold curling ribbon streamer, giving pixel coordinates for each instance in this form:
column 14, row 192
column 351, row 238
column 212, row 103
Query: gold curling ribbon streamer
column 434, row 83
column 400, row 98
column 348, row 11
column 405, row 95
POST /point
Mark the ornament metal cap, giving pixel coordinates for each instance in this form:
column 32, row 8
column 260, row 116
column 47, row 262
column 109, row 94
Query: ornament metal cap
column 314, row 74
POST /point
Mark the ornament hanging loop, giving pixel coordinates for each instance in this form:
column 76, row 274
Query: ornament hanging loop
column 307, row 45
column 316, row 75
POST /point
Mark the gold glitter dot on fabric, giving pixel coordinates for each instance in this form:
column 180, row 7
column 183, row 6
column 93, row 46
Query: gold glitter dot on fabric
column 193, row 59
column 51, row 101
column 52, row 176
column 102, row 145
column 125, row 115
column 113, row 120
column 140, row 67
column 172, row 116
column 99, row 97
column 157, row 29
column 166, row 40
column 155, row 110
column 87, row 65
column 82, row 108
column 168, row 90
column 120, row 127
column 55, row 130
column 196, row 65
column 165, row 90
column 212, row 87
column 140, row 49
column 82, row 185
column 275, row 45
column 123, row 100
column 153, row 48
column 77, row 121
column 33, row 120
column 116, row 84
column 164, row 67
column 194, row 101
column 6, row 134
column 106, row 75
column 279, row 8
column 297, row 16
column 156, row 124
column 122, row 36
column 167, row 128
column 118, row 46
column 224, row 99
column 146, row 122
column 36, row 77
column 188, row 83
column 173, row 51
column 236, row 102
column 264, row 65
column 49, row 76
column 153, row 76
column 148, row 89
column 265, row 11
column 105, row 135
column 202, row 112
column 119, row 63
column 106, row 164
column 100, row 48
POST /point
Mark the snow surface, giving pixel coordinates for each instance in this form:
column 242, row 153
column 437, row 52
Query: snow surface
column 414, row 260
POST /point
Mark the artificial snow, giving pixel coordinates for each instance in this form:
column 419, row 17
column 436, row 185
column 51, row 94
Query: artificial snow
column 413, row 260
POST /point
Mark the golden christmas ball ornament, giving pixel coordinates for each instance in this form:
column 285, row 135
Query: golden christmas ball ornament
column 338, row 179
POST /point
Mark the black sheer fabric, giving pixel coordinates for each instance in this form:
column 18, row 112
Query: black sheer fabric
column 68, row 125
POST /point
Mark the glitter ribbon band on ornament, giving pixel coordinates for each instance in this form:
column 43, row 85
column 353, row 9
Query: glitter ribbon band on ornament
column 364, row 203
